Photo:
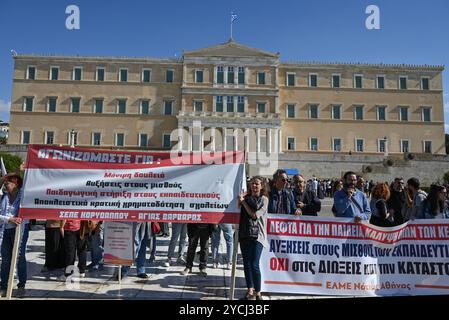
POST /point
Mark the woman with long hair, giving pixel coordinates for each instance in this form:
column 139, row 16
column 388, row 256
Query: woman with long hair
column 252, row 234
column 379, row 213
column 434, row 206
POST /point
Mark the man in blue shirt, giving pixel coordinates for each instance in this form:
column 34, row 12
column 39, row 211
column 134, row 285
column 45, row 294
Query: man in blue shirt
column 281, row 199
column 350, row 202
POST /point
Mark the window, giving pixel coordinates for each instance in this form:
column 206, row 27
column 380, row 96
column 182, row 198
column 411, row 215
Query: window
column 403, row 82
column 169, row 76
column 143, row 140
column 121, row 106
column 380, row 82
column 230, row 74
column 198, row 105
column 240, row 104
column 77, row 73
column 26, row 137
column 382, row 145
column 54, row 73
column 425, row 83
column 119, row 139
column 123, row 75
column 241, row 75
column 405, row 146
column 291, row 111
column 427, row 146
column 314, row 144
column 229, row 104
column 219, row 103
column 168, row 107
column 291, row 79
column 31, row 73
column 335, row 81
column 49, row 137
column 146, row 75
column 336, row 144
column 403, row 113
column 220, row 74
column 359, row 145
column 75, row 105
column 336, row 114
column 100, row 74
column 98, row 106
column 358, row 81
column 358, row 113
column 28, row 104
column 381, row 113
column 96, row 138
column 426, row 114
column 199, row 76
column 51, row 104
column 166, row 143
column 313, row 111
column 261, row 107
column 261, row 78
column 291, row 143
column 313, row 80
column 145, row 107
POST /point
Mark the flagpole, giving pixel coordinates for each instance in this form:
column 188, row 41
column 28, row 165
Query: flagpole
column 231, row 25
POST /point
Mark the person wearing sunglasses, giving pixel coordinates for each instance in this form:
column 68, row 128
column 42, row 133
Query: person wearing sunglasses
column 305, row 200
column 281, row 199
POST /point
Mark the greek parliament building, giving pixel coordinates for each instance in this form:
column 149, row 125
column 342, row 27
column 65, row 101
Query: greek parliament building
column 322, row 118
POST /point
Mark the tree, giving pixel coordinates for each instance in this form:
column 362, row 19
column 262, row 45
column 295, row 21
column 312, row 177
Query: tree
column 12, row 162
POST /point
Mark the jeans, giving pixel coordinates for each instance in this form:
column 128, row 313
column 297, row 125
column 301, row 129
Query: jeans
column 74, row 245
column 96, row 241
column 179, row 231
column 140, row 247
column 251, row 252
column 228, row 235
column 197, row 233
column 6, row 251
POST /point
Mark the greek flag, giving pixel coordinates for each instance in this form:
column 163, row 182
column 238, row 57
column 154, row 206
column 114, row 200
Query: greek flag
column 233, row 17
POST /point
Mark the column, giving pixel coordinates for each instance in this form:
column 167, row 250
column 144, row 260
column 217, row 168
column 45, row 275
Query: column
column 246, row 140
column 269, row 133
column 280, row 141
column 276, row 140
column 258, row 140
column 225, row 131
column 201, row 138
column 235, row 139
column 190, row 146
column 212, row 139
column 180, row 138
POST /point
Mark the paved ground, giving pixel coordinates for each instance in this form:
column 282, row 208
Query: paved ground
column 163, row 282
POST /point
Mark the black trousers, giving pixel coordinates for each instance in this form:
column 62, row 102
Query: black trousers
column 74, row 245
column 54, row 249
column 164, row 227
column 202, row 233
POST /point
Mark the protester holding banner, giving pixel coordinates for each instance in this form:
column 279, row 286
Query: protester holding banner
column 281, row 199
column 9, row 210
column 351, row 202
column 380, row 216
column 419, row 196
column 433, row 206
column 198, row 232
column 252, row 235
column 179, row 232
column 142, row 234
column 74, row 245
column 54, row 246
column 228, row 234
column 305, row 200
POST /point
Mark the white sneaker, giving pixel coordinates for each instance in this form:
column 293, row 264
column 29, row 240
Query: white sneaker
column 82, row 275
column 167, row 263
column 215, row 266
column 229, row 267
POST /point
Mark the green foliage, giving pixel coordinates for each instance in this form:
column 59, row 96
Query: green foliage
column 446, row 177
column 12, row 162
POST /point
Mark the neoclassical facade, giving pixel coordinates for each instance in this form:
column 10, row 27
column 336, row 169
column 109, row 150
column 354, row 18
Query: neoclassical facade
column 227, row 97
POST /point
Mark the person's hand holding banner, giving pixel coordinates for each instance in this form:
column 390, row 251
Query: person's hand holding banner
column 15, row 220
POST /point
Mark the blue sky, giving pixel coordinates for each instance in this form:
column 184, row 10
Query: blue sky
column 413, row 32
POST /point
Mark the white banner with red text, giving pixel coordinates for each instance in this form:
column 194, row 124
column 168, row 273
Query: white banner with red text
column 325, row 256
column 75, row 183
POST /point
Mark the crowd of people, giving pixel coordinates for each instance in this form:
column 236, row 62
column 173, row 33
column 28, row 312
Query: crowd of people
column 66, row 241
